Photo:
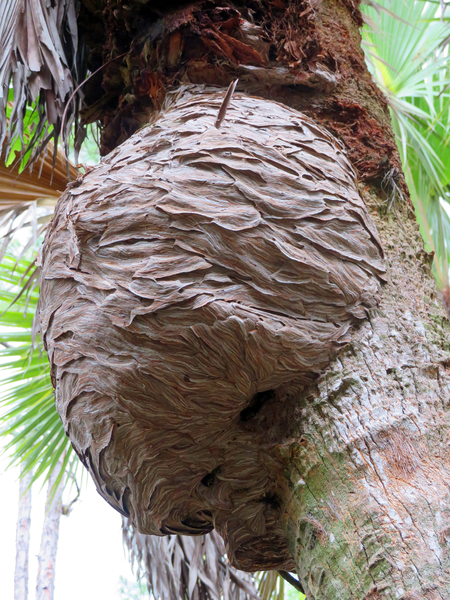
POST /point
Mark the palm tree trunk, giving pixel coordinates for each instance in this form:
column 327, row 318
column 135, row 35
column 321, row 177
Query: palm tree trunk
column 45, row 583
column 368, row 505
column 23, row 538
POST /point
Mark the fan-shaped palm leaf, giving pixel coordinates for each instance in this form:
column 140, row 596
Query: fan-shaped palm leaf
column 408, row 55
column 35, row 436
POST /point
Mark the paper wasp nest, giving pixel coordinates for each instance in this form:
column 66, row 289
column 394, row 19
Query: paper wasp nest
column 186, row 281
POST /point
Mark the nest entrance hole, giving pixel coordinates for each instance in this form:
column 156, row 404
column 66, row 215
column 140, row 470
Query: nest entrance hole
column 208, row 479
column 256, row 403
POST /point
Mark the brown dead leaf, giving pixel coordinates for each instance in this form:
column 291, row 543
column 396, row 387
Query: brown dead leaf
column 244, row 53
column 175, row 48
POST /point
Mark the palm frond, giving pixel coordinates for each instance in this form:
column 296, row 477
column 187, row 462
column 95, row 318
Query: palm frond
column 410, row 61
column 380, row 7
column 271, row 585
column 32, row 429
column 187, row 568
column 29, row 421
column 27, row 198
column 39, row 69
column 193, row 568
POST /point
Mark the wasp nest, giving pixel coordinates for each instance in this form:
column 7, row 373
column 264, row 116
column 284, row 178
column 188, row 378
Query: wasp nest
column 186, row 281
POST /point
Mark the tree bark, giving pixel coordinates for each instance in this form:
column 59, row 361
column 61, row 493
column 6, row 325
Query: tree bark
column 368, row 505
column 45, row 584
column 23, row 538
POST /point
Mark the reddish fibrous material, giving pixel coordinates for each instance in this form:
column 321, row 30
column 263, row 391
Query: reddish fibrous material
column 188, row 282
column 307, row 58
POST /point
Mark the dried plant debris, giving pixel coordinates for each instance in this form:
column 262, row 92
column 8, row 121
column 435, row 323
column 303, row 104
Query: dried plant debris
column 39, row 64
column 291, row 51
column 37, row 187
column 286, row 50
column 183, row 568
column 194, row 273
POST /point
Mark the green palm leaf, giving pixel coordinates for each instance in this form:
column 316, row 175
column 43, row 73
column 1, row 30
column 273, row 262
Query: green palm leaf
column 408, row 56
column 33, row 430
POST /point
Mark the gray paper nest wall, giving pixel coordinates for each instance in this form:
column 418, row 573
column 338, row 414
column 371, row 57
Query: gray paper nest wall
column 189, row 282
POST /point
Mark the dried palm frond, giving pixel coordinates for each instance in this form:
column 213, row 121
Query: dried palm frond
column 187, row 568
column 39, row 68
column 44, row 181
column 28, row 416
column 22, row 194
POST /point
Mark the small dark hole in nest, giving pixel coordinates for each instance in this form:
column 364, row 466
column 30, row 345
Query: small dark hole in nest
column 199, row 525
column 256, row 404
column 208, row 479
column 271, row 499
column 207, row 513
column 67, row 335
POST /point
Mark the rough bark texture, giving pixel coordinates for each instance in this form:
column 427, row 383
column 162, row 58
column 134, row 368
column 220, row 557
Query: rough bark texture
column 368, row 505
column 23, row 538
column 446, row 299
column 45, row 582
column 185, row 281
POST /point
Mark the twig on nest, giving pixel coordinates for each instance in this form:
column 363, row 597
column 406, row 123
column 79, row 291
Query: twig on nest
column 225, row 103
